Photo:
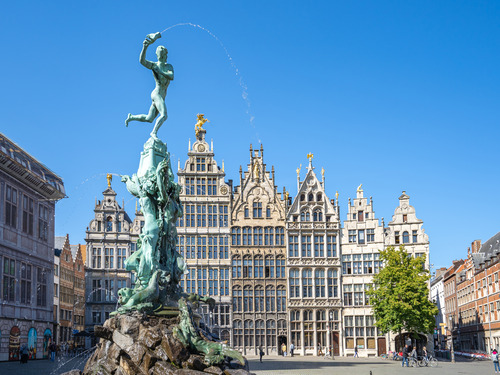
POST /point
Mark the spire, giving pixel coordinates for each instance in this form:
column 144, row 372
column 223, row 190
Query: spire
column 310, row 157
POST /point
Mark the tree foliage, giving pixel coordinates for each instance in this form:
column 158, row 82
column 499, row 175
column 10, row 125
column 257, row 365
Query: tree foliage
column 400, row 294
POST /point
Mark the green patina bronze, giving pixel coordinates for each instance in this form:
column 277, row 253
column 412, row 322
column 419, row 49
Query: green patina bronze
column 191, row 337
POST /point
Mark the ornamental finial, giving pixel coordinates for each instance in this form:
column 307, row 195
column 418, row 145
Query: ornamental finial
column 109, row 177
column 199, row 125
column 310, row 156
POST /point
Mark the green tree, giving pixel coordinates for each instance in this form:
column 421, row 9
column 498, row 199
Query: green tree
column 400, row 294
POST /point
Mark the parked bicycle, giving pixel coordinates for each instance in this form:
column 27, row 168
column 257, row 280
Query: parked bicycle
column 429, row 361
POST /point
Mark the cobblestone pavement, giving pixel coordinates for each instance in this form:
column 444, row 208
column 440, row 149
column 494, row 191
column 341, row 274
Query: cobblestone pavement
column 273, row 365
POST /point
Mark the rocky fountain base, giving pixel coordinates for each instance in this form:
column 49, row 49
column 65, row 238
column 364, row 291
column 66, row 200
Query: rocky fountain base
column 142, row 344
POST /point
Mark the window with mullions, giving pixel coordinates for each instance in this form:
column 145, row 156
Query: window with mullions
column 280, row 267
column 247, row 266
column 319, row 283
column 201, row 215
column 308, row 329
column 108, row 257
column 235, row 236
column 269, row 267
column 257, row 209
column 281, row 299
column 247, row 236
column 270, row 299
column 305, row 216
column 346, row 265
column 109, row 224
column 377, row 263
column 271, row 333
column 212, row 186
column 370, row 235
column 41, row 287
column 236, row 265
column 333, row 282
column 237, row 333
column 9, row 279
column 200, row 165
column 357, row 268
column 279, row 238
column 260, row 333
column 259, row 299
column 414, row 235
column 268, row 236
column 190, row 187
column 224, row 247
column 293, row 246
column 349, row 331
column 212, row 247
column 258, row 267
column 190, row 215
column 121, row 256
column 11, row 206
column 224, row 282
column 190, row 247
column 237, row 299
column 191, row 280
column 352, row 236
column 358, row 295
column 406, row 237
column 331, row 246
column 202, row 281
column 223, row 218
column 28, row 208
column 213, row 282
column 319, row 246
column 294, row 283
column 307, row 283
column 317, row 215
column 268, row 212
column 212, row 215
column 202, row 248
column 361, row 236
column 306, row 246
column 247, row 299
column 347, row 294
column 201, row 186
column 249, row 333
column 368, row 263
column 96, row 257
column 295, row 327
column 43, row 223
column 25, row 283
column 257, row 236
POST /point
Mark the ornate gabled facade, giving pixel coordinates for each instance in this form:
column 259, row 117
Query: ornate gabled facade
column 362, row 240
column 313, row 266
column 406, row 229
column 203, row 232
column 111, row 238
column 258, row 260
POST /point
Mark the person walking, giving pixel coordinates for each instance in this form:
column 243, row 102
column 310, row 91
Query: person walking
column 292, row 348
column 405, row 356
column 319, row 349
column 356, row 352
column 261, row 353
column 53, row 350
column 494, row 358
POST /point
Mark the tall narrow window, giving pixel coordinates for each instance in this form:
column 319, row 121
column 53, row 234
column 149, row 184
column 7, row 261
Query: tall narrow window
column 11, row 206
column 43, row 223
column 294, row 283
column 41, row 287
column 9, row 279
column 25, row 283
column 109, row 224
column 331, row 246
column 414, row 235
column 307, row 283
column 319, row 283
column 27, row 215
column 257, row 209
column 306, row 246
column 406, row 237
column 319, row 246
column 396, row 237
column 360, row 216
column 293, row 246
column 361, row 236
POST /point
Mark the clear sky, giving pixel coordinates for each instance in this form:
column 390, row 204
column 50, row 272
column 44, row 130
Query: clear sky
column 397, row 95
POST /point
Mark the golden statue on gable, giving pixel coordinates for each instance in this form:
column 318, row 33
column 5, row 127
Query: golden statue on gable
column 199, row 125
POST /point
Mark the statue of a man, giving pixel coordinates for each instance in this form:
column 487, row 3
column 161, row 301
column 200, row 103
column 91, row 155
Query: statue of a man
column 163, row 73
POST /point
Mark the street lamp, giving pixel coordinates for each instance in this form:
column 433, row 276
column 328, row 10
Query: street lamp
column 451, row 336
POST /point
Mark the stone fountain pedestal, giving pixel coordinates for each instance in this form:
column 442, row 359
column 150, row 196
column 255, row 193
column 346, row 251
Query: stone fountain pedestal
column 138, row 344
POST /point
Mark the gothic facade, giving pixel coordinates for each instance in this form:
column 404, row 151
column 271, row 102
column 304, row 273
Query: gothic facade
column 111, row 237
column 313, row 265
column 203, row 232
column 258, row 260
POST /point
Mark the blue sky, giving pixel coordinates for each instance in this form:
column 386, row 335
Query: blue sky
column 395, row 95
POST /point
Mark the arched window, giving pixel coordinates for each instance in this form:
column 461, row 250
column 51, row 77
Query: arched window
column 268, row 236
column 247, row 236
column 295, row 328
column 237, row 299
column 249, row 332
column 258, row 267
column 236, row 263
column 270, row 299
column 280, row 267
column 247, row 266
column 281, row 299
column 260, row 333
column 406, row 237
column 333, row 282
column 319, row 197
column 302, row 197
column 307, row 283
column 310, row 197
column 271, row 333
column 257, row 236
column 317, row 215
column 319, row 283
column 308, row 329
column 235, row 236
column 259, row 299
column 294, row 283
column 247, row 299
column 269, row 270
column 237, row 333
column 224, row 335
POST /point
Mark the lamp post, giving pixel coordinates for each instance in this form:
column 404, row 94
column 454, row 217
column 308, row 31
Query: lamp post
column 451, row 336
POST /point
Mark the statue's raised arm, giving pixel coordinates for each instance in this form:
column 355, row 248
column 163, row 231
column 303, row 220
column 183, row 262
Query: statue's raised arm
column 163, row 73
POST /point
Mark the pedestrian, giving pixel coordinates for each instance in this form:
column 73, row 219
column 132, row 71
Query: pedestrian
column 425, row 354
column 494, row 358
column 53, row 350
column 24, row 354
column 292, row 348
column 356, row 352
column 261, row 353
column 319, row 349
column 284, row 350
column 405, row 356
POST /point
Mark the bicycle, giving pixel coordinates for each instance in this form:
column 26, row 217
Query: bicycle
column 413, row 362
column 429, row 361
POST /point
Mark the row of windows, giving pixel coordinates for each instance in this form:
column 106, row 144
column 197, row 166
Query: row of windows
column 258, row 236
column 316, row 249
column 206, row 281
column 262, row 334
column 258, row 268
column 10, row 282
column 257, row 211
column 406, row 237
column 355, row 294
column 359, row 264
column 202, row 216
column 203, row 247
column 306, row 322
column 324, row 284
column 104, row 290
column 107, row 260
column 108, row 225
column 11, row 218
column 359, row 236
column 259, row 300
column 200, row 186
